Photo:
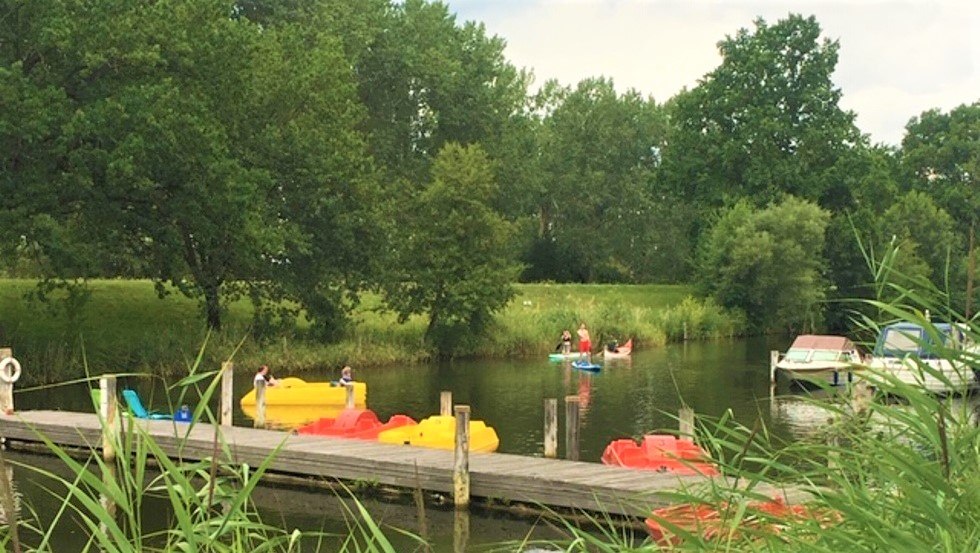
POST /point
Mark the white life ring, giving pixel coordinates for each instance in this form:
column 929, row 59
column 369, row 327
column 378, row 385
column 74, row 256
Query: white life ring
column 7, row 362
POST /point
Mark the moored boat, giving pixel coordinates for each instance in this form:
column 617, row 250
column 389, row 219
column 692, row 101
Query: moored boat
column 296, row 392
column 913, row 355
column 820, row 358
column 660, row 452
column 440, row 432
column 620, row 351
column 360, row 424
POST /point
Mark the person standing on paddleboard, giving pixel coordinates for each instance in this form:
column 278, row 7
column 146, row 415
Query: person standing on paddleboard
column 584, row 341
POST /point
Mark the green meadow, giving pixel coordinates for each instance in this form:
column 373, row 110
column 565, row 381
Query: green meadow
column 125, row 326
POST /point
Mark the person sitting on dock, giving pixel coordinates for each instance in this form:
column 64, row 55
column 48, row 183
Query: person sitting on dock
column 263, row 375
column 345, row 376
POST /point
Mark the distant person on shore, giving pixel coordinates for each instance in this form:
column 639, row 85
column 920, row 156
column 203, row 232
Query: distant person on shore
column 346, row 376
column 264, row 376
column 566, row 342
column 584, row 341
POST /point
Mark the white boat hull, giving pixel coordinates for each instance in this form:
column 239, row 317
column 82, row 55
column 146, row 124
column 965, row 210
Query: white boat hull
column 832, row 373
column 956, row 378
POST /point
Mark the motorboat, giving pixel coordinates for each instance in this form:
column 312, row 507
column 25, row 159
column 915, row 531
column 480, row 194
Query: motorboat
column 618, row 352
column 360, row 424
column 296, row 392
column 820, row 358
column 914, row 355
column 661, row 453
column 439, row 432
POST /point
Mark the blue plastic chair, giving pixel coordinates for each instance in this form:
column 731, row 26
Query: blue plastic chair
column 137, row 409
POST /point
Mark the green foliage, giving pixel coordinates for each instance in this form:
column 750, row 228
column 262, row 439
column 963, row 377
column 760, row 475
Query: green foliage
column 599, row 150
column 767, row 263
column 765, row 123
column 923, row 232
column 453, row 251
column 695, row 319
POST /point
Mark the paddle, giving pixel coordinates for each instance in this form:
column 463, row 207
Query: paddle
column 558, row 347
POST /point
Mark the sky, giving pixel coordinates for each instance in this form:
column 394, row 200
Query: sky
column 897, row 58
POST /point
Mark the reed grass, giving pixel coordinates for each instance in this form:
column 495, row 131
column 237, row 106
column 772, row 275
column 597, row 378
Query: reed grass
column 125, row 327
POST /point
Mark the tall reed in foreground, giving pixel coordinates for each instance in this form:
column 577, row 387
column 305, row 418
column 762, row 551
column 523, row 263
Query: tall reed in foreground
column 897, row 472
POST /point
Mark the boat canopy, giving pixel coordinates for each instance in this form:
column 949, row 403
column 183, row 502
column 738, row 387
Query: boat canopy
column 815, row 341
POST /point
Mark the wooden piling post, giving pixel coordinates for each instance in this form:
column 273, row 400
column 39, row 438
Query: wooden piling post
column 461, row 458
column 108, row 410
column 227, row 392
column 571, row 427
column 686, row 418
column 461, row 531
column 446, row 403
column 685, row 331
column 773, row 360
column 260, row 386
column 349, row 402
column 6, row 388
column 551, row 427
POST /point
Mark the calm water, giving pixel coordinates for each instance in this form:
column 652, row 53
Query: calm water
column 627, row 398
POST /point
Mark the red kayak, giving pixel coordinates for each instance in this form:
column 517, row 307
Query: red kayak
column 360, row 424
column 660, row 452
column 667, row 526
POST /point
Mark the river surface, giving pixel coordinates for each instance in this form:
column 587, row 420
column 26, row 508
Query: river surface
column 627, row 398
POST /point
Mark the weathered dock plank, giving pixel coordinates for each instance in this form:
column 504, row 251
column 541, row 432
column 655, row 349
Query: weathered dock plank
column 541, row 481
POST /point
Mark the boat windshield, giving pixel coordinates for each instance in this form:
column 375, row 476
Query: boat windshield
column 798, row 355
column 827, row 355
column 899, row 341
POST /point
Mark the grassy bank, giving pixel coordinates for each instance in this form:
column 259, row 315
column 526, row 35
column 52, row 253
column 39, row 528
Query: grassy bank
column 125, row 326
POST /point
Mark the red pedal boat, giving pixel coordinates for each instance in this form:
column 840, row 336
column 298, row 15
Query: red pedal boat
column 355, row 423
column 667, row 526
column 660, row 452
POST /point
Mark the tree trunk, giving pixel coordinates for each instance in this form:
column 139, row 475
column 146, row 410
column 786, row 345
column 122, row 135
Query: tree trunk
column 212, row 306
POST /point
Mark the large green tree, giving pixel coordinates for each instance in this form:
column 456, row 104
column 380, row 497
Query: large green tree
column 216, row 152
column 451, row 255
column 766, row 122
column 767, row 263
column 598, row 218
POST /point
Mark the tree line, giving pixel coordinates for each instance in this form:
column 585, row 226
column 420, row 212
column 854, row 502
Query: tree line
column 300, row 153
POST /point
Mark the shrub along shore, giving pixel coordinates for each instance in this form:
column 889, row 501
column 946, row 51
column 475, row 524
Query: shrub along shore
column 124, row 326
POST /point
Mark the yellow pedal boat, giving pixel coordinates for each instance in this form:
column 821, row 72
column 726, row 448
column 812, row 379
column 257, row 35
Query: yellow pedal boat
column 296, row 392
column 440, row 432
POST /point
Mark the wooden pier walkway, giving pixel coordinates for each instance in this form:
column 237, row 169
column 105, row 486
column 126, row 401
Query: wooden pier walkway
column 534, row 480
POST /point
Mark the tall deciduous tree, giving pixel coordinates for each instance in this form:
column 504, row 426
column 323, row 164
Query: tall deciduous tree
column 767, row 263
column 598, row 153
column 766, row 122
column 452, row 257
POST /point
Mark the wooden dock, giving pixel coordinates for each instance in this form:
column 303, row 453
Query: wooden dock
column 500, row 476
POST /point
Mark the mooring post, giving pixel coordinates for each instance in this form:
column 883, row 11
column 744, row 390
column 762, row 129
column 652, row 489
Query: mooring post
column 461, row 531
column 860, row 396
column 551, row 427
column 7, row 382
column 685, row 331
column 446, row 403
column 571, row 427
column 686, row 418
column 773, row 360
column 108, row 411
column 833, row 446
column 349, row 402
column 461, row 458
column 227, row 392
column 260, row 403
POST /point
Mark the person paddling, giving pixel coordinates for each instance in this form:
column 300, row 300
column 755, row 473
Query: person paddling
column 346, row 376
column 584, row 342
column 566, row 342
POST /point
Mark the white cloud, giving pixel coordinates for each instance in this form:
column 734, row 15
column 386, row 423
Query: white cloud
column 897, row 58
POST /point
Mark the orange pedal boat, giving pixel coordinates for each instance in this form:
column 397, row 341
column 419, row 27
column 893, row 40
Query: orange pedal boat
column 660, row 452
column 360, row 424
column 668, row 525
